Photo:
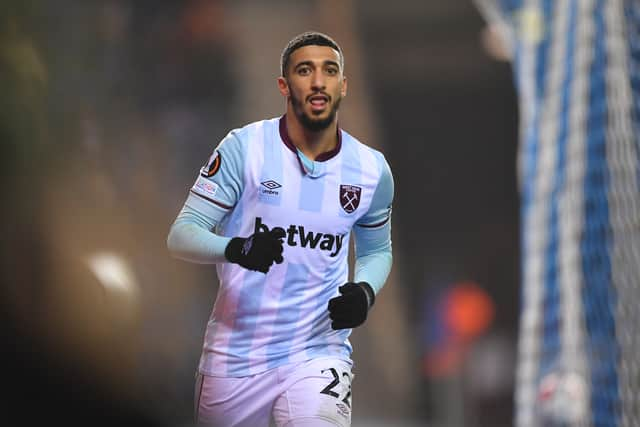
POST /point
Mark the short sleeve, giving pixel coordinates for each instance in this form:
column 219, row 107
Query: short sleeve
column 220, row 181
column 379, row 212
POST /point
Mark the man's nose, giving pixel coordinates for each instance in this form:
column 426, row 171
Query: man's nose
column 318, row 81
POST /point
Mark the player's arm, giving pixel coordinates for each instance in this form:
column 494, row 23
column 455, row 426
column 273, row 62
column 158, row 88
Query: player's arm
column 192, row 236
column 373, row 258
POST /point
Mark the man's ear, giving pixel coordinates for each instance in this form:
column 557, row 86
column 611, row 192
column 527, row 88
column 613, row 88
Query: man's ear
column 283, row 86
column 344, row 86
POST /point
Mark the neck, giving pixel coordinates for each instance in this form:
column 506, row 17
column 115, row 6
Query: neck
column 312, row 144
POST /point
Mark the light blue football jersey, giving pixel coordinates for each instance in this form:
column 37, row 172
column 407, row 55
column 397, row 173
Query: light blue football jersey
column 256, row 180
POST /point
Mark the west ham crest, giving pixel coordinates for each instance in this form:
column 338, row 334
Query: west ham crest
column 350, row 197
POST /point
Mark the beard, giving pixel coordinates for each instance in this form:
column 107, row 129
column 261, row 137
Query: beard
column 311, row 123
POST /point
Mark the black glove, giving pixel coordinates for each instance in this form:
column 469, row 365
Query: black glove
column 350, row 309
column 258, row 251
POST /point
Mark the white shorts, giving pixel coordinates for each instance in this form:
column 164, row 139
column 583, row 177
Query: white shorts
column 312, row 393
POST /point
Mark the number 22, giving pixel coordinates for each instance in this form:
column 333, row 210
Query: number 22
column 328, row 390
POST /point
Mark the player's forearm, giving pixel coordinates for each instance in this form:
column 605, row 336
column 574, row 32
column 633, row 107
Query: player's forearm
column 190, row 240
column 374, row 268
column 373, row 254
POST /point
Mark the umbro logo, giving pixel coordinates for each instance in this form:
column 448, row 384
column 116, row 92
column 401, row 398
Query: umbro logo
column 270, row 188
column 271, row 184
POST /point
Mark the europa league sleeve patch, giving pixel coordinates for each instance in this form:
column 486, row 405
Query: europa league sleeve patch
column 212, row 166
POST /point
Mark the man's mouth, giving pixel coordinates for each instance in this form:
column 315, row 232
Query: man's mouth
column 318, row 102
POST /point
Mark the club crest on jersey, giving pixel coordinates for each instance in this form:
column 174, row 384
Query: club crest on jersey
column 212, row 166
column 350, row 197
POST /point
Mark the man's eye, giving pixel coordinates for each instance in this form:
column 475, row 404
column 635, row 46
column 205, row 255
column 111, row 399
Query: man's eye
column 332, row 71
column 304, row 71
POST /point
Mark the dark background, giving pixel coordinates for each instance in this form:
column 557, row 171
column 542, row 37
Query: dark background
column 109, row 107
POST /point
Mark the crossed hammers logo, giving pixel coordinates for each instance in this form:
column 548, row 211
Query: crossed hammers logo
column 350, row 197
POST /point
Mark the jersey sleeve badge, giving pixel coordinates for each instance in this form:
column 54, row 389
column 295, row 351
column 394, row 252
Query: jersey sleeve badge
column 212, row 166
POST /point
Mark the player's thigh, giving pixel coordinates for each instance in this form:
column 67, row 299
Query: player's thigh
column 234, row 402
column 317, row 393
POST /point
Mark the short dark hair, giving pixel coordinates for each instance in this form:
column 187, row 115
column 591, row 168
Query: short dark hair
column 309, row 38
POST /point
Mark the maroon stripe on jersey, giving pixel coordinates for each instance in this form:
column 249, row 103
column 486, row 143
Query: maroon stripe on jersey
column 284, row 135
column 222, row 205
column 322, row 157
column 374, row 225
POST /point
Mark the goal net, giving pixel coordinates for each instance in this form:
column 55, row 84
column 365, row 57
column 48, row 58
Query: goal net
column 577, row 72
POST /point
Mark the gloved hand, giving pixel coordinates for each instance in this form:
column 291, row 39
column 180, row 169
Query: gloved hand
column 350, row 309
column 258, row 251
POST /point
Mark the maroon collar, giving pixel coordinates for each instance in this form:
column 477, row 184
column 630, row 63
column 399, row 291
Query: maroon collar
column 284, row 135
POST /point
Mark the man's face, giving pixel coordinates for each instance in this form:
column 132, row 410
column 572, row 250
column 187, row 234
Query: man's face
column 314, row 85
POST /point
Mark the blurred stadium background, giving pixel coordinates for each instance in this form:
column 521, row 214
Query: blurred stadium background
column 108, row 109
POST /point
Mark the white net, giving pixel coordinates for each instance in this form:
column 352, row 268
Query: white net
column 577, row 66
